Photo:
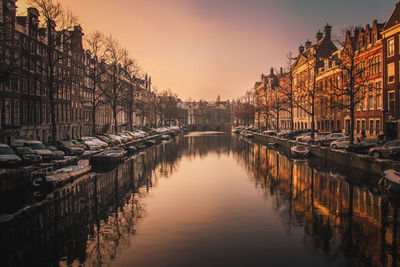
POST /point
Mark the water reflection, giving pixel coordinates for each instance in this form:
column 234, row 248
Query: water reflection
column 340, row 217
column 93, row 221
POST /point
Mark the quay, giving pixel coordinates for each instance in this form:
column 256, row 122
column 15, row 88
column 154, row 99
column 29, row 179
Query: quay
column 343, row 158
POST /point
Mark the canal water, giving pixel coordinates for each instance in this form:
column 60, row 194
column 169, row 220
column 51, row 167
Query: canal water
column 208, row 199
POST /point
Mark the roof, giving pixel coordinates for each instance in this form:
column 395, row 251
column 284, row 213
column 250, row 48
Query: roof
column 394, row 17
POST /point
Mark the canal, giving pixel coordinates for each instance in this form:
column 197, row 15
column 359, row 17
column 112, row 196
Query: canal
column 208, row 199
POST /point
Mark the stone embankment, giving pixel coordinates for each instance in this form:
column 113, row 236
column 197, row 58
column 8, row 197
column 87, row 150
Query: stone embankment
column 341, row 157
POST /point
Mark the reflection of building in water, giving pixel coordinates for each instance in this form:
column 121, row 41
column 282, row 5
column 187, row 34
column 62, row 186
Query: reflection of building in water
column 85, row 221
column 337, row 215
column 91, row 220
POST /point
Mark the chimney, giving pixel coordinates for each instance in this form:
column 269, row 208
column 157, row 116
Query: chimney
column 319, row 35
column 301, row 49
column 328, row 30
column 308, row 44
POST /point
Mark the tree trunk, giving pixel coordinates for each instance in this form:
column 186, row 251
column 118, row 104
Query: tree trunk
column 352, row 115
column 93, row 119
column 291, row 118
column 115, row 120
column 50, row 80
column 312, row 117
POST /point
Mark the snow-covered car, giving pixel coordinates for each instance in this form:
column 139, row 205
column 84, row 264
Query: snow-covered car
column 95, row 140
column 90, row 145
column 303, row 137
column 8, row 158
column 326, row 140
column 387, row 150
column 342, row 142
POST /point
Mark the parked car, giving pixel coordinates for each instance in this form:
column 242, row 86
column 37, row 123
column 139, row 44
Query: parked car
column 94, row 140
column 283, row 133
column 123, row 138
column 69, row 148
column 294, row 134
column 78, row 144
column 363, row 147
column 305, row 137
column 387, row 150
column 326, row 140
column 27, row 155
column 41, row 149
column 127, row 136
column 269, row 132
column 90, row 145
column 57, row 154
column 106, row 139
column 8, row 158
column 342, row 142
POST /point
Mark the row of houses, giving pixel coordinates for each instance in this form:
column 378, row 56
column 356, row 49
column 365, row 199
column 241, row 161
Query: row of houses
column 24, row 98
column 338, row 85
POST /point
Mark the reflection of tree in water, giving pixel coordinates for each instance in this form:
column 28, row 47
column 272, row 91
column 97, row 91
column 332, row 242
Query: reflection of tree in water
column 94, row 219
column 338, row 217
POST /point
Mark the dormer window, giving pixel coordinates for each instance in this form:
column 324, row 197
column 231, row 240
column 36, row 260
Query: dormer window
column 374, row 38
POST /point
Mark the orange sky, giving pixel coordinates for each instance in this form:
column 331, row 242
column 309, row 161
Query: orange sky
column 204, row 48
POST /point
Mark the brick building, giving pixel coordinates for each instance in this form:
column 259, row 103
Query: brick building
column 391, row 79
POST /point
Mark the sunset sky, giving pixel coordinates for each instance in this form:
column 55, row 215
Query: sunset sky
column 204, row 48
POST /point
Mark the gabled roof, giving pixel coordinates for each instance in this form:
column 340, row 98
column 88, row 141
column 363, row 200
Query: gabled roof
column 394, row 17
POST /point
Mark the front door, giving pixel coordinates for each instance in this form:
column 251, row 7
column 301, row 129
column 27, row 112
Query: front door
column 391, row 130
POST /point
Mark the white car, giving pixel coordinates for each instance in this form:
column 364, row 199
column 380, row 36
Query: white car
column 94, row 140
column 91, row 145
column 342, row 142
column 303, row 138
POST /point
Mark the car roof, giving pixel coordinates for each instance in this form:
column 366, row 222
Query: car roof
column 32, row 142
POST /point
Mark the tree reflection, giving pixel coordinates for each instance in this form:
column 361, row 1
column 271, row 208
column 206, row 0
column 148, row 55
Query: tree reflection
column 338, row 216
column 92, row 220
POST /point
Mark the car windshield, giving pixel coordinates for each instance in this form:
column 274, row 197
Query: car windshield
column 37, row 146
column 6, row 151
column 67, row 143
column 25, row 150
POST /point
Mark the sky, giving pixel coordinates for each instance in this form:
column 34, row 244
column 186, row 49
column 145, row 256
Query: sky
column 204, row 48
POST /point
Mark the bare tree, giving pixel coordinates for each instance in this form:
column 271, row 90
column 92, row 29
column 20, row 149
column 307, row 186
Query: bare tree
column 130, row 99
column 244, row 108
column 117, row 61
column 58, row 23
column 95, row 44
column 308, row 90
column 287, row 89
column 350, row 86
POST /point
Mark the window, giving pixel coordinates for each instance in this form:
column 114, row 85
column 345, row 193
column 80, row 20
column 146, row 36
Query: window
column 358, row 127
column 390, row 73
column 378, row 127
column 379, row 95
column 371, row 102
column 371, row 127
column 16, row 112
column 363, row 126
column 391, row 102
column 7, row 111
column 390, row 47
column 373, row 41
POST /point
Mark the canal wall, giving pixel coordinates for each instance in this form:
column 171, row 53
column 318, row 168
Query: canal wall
column 347, row 159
